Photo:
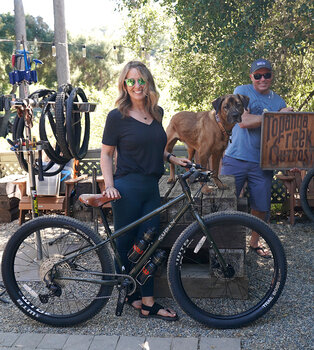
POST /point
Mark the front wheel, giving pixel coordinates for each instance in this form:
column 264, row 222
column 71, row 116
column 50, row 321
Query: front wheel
column 307, row 194
column 58, row 294
column 243, row 292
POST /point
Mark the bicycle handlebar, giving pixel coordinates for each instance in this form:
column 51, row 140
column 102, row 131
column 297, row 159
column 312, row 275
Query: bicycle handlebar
column 195, row 174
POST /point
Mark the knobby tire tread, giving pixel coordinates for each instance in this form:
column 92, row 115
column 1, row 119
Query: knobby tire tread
column 14, row 291
column 184, row 300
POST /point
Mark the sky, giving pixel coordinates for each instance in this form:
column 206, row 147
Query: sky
column 81, row 16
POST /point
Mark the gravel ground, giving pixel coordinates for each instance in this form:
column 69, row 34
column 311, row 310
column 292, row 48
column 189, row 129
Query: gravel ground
column 288, row 325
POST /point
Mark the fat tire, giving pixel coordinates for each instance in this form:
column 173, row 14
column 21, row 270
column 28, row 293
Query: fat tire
column 62, row 95
column 25, row 302
column 232, row 320
column 304, row 194
column 52, row 153
column 74, row 132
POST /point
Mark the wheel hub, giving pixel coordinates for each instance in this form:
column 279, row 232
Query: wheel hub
column 49, row 273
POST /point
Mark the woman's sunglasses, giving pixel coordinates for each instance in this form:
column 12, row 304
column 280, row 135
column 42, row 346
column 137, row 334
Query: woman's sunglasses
column 259, row 76
column 131, row 81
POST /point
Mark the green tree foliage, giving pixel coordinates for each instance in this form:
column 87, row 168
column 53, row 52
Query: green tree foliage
column 6, row 49
column 217, row 40
column 97, row 69
column 35, row 28
column 148, row 32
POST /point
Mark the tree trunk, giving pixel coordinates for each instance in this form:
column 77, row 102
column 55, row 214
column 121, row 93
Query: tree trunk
column 20, row 38
column 63, row 66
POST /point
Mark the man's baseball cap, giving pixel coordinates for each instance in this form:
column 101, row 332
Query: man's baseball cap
column 260, row 63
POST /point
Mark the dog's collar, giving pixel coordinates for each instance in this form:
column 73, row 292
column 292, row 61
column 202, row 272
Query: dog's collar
column 223, row 130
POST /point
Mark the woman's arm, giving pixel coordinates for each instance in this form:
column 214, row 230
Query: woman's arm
column 106, row 157
column 175, row 160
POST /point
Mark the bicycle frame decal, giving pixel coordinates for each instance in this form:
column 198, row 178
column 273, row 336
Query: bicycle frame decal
column 181, row 252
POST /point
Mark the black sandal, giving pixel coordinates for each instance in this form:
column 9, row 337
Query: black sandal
column 153, row 312
column 134, row 297
column 265, row 256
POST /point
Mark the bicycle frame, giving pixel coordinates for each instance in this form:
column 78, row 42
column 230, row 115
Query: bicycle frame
column 190, row 205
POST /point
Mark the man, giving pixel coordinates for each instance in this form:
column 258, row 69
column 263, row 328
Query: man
column 242, row 156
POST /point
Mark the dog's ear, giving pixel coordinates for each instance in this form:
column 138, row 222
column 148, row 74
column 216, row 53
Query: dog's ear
column 244, row 99
column 217, row 103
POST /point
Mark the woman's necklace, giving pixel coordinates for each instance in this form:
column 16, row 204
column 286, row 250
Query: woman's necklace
column 139, row 115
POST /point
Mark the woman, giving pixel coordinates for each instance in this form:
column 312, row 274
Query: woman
column 134, row 129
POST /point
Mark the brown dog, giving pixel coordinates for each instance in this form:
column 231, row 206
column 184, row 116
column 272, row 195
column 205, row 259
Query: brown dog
column 208, row 133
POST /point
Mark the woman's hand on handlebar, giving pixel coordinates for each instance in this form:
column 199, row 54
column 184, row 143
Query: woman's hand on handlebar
column 180, row 161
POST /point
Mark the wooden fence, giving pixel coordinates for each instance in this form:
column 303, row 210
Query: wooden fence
column 9, row 165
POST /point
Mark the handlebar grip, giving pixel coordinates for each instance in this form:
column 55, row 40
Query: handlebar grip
column 194, row 176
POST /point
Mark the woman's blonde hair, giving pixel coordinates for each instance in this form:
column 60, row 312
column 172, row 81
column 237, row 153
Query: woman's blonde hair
column 123, row 102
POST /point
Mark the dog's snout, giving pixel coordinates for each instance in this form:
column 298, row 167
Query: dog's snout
column 234, row 116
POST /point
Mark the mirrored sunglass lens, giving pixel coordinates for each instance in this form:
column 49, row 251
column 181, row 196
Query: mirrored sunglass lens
column 141, row 81
column 257, row 76
column 130, row 82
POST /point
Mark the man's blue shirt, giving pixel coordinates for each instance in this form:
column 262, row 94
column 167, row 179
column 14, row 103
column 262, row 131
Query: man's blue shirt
column 246, row 142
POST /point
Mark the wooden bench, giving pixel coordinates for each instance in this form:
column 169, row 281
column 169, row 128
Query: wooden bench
column 61, row 203
column 292, row 180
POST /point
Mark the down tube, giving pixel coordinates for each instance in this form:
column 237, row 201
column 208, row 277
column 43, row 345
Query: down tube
column 144, row 218
column 164, row 233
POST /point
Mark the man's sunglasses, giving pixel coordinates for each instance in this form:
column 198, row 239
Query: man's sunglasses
column 259, row 76
column 131, row 81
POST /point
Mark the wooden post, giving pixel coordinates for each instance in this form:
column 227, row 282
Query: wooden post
column 61, row 43
column 20, row 38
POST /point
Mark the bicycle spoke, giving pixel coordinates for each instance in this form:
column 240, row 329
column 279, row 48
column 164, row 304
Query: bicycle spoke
column 230, row 295
column 56, row 287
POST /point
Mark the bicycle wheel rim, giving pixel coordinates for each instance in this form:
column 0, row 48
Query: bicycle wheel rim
column 24, row 273
column 227, row 302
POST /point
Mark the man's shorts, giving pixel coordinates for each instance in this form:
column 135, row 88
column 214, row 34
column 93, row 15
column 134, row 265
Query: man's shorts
column 259, row 181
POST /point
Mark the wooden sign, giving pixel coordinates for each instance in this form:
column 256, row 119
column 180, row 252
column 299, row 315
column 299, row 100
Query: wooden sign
column 287, row 140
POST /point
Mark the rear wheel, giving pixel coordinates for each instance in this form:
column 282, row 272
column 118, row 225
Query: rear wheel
column 246, row 290
column 307, row 194
column 47, row 290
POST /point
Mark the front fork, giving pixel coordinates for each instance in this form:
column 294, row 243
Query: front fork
column 224, row 266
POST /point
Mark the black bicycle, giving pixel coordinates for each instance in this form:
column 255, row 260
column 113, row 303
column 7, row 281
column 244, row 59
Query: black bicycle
column 75, row 277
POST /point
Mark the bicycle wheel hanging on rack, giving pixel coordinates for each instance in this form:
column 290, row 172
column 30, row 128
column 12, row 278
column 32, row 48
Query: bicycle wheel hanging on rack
column 46, row 293
column 250, row 286
column 74, row 124
column 19, row 133
column 307, row 194
column 60, row 110
column 47, row 132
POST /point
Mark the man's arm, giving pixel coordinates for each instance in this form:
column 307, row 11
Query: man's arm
column 251, row 121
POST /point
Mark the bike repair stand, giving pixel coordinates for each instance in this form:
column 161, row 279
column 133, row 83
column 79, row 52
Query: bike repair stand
column 25, row 110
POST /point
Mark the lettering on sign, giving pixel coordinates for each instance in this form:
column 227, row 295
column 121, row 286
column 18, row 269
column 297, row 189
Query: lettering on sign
column 287, row 140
